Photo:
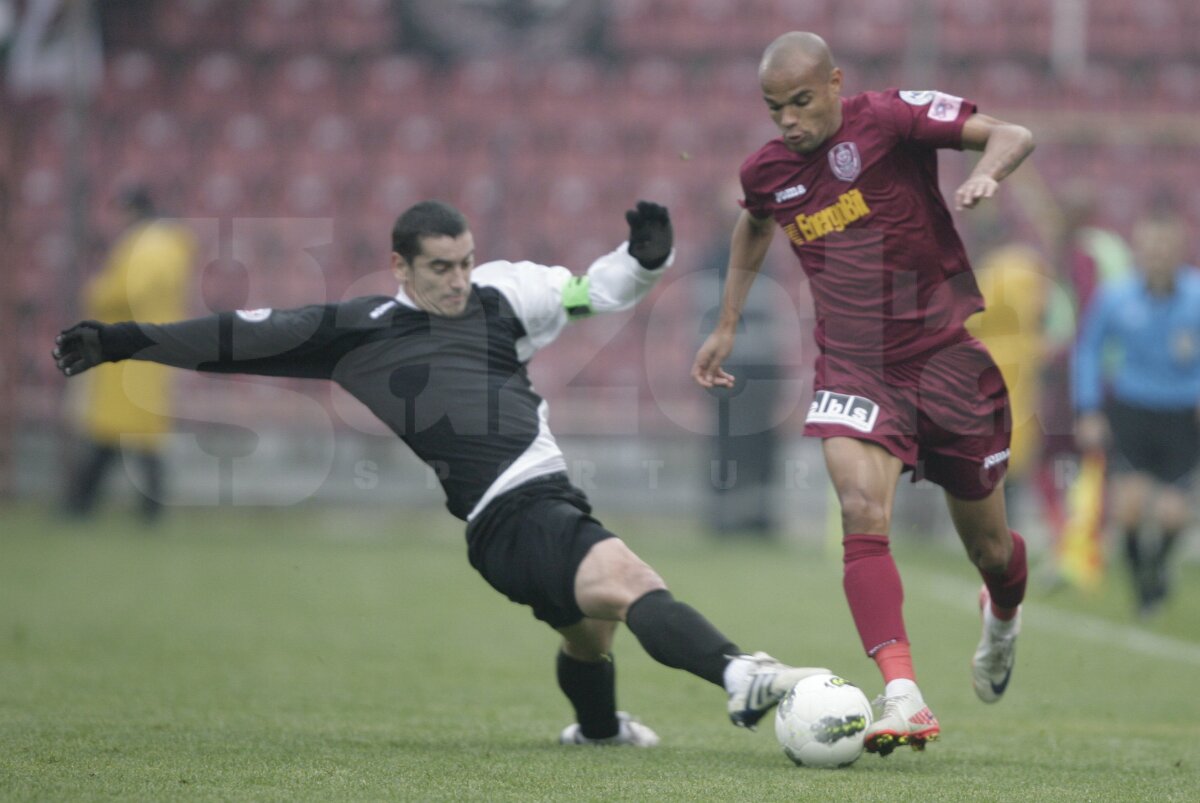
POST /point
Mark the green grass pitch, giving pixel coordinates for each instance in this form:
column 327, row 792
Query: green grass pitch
column 312, row 654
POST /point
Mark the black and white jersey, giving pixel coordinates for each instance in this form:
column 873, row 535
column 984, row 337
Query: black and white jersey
column 454, row 389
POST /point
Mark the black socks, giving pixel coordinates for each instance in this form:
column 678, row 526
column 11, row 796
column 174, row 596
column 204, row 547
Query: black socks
column 672, row 633
column 676, row 635
column 592, row 690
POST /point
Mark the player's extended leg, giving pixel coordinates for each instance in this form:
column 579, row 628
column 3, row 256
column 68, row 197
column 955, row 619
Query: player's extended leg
column 999, row 555
column 864, row 476
column 587, row 676
column 614, row 583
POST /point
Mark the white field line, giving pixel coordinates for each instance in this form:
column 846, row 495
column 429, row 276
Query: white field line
column 1081, row 627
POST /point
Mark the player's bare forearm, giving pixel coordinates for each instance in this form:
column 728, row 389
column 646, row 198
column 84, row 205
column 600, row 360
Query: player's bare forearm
column 748, row 249
column 1007, row 146
column 1004, row 147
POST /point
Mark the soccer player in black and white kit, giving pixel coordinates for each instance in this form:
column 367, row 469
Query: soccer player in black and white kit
column 443, row 364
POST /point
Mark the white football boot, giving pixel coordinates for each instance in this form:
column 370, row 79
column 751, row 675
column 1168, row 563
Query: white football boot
column 992, row 665
column 630, row 732
column 759, row 684
column 905, row 720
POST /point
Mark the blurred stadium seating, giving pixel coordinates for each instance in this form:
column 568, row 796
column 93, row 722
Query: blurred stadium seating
column 285, row 111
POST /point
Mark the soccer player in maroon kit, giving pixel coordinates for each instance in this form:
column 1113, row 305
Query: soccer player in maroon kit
column 899, row 384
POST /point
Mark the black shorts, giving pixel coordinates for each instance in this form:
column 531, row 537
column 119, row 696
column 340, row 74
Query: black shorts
column 1162, row 443
column 528, row 544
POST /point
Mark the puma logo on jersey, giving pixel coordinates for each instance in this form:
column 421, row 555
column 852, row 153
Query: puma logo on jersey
column 790, row 193
column 995, row 459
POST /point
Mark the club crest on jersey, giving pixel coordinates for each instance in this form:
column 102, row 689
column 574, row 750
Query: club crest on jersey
column 844, row 161
column 855, row 412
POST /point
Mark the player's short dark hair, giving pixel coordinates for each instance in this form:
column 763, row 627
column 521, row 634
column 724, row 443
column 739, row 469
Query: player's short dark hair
column 426, row 219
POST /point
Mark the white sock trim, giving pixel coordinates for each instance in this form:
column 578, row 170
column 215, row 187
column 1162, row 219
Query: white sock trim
column 737, row 671
column 900, row 687
column 1001, row 627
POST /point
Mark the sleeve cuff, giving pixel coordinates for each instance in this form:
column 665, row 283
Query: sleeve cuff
column 120, row 341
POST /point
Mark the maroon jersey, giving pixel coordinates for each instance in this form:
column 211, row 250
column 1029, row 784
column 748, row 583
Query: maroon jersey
column 888, row 273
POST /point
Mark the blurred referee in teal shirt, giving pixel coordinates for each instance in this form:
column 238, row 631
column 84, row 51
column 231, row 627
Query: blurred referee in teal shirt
column 1150, row 415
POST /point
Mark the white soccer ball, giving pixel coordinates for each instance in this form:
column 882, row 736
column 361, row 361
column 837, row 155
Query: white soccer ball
column 821, row 722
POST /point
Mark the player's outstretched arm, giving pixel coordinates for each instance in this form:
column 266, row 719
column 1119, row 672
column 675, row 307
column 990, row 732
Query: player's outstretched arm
column 619, row 280
column 748, row 248
column 1004, row 147
column 303, row 343
column 545, row 298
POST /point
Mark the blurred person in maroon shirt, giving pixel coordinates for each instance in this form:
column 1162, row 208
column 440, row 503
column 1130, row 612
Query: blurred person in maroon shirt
column 899, row 384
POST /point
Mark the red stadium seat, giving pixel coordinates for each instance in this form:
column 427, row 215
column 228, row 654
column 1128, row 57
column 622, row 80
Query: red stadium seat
column 1102, row 86
column 389, row 88
column 218, row 194
column 132, row 78
column 1176, row 85
column 215, row 86
column 196, row 24
column 1009, row 83
column 301, row 88
column 359, row 27
column 804, row 15
column 275, row 26
column 333, row 139
column 869, row 29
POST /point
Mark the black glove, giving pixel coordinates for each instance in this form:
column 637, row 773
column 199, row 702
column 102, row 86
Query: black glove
column 78, row 348
column 650, row 234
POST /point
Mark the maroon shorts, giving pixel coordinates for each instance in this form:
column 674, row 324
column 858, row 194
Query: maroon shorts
column 944, row 414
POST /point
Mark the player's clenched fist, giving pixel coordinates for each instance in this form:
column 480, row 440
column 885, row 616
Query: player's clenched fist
column 79, row 348
column 650, row 234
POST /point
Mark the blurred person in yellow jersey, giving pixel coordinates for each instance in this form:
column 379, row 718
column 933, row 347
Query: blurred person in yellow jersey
column 1016, row 282
column 1022, row 296
column 125, row 409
